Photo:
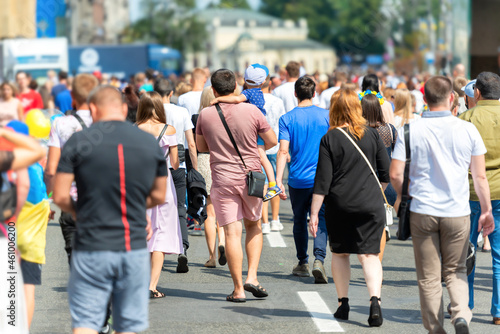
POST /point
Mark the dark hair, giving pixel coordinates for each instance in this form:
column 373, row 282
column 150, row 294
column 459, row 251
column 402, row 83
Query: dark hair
column 163, row 87
column 370, row 82
column 132, row 101
column 488, row 84
column 150, row 74
column 437, row 90
column 151, row 107
column 62, row 75
column 305, row 88
column 223, row 81
column 33, row 84
column 293, row 69
column 372, row 111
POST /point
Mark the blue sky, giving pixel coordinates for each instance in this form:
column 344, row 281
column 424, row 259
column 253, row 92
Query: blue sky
column 135, row 12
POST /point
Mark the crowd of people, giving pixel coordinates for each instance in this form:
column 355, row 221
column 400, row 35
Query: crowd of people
column 122, row 162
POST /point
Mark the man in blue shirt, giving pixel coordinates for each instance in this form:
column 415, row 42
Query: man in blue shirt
column 300, row 132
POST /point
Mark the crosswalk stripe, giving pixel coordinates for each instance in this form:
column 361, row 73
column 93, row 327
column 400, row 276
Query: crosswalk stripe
column 275, row 239
column 320, row 313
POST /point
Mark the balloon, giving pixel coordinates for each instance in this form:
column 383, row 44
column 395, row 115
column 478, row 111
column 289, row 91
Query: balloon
column 53, row 114
column 38, row 123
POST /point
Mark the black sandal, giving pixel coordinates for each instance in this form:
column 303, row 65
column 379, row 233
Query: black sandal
column 256, row 290
column 231, row 298
column 156, row 294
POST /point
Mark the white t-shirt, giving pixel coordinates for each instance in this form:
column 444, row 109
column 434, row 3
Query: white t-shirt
column 274, row 110
column 64, row 127
column 191, row 101
column 442, row 147
column 326, row 96
column 286, row 92
column 398, row 120
column 180, row 119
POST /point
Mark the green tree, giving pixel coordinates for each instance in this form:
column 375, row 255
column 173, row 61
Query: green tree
column 233, row 4
column 174, row 25
column 349, row 26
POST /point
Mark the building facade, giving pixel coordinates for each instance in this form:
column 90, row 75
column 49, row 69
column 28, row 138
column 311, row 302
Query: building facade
column 97, row 21
column 237, row 38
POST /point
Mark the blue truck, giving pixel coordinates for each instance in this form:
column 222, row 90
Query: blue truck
column 124, row 60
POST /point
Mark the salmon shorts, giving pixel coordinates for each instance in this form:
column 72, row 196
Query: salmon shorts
column 232, row 203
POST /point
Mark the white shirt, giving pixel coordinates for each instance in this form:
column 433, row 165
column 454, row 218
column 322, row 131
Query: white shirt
column 419, row 98
column 191, row 101
column 398, row 120
column 180, row 119
column 65, row 126
column 442, row 147
column 326, row 96
column 274, row 110
column 286, row 92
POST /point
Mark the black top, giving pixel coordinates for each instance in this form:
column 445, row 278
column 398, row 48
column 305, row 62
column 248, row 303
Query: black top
column 354, row 209
column 115, row 165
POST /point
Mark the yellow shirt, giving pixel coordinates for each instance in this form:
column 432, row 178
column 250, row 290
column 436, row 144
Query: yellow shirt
column 486, row 117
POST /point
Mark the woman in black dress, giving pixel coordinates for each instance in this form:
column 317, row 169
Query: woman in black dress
column 354, row 210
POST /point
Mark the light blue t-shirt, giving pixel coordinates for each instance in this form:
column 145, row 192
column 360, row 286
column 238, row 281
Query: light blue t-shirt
column 303, row 127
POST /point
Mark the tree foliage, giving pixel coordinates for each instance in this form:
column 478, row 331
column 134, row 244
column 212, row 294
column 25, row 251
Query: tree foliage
column 174, row 25
column 349, row 26
column 233, row 4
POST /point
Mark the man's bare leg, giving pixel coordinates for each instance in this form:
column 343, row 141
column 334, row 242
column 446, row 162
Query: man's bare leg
column 253, row 247
column 234, row 254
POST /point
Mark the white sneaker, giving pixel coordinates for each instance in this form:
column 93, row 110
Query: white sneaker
column 276, row 225
column 266, row 228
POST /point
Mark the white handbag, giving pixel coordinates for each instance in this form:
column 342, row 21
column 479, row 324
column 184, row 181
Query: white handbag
column 388, row 208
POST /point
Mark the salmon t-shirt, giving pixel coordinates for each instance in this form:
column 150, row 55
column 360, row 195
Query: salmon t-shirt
column 245, row 121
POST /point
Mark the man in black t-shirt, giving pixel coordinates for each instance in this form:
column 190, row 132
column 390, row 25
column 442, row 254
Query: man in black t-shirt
column 119, row 172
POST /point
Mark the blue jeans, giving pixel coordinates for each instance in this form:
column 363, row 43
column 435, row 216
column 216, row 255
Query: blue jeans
column 301, row 206
column 495, row 253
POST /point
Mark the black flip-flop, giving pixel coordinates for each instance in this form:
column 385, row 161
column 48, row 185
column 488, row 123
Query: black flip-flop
column 222, row 255
column 230, row 298
column 156, row 294
column 256, row 290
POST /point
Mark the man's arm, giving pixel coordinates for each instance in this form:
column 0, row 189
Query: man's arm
column 397, row 172
column 229, row 99
column 280, row 165
column 62, row 187
column 51, row 168
column 27, row 151
column 478, row 171
column 269, row 138
column 201, row 144
column 157, row 193
column 192, row 148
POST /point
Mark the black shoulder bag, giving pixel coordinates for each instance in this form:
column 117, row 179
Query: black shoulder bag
column 404, row 207
column 80, row 120
column 161, row 136
column 255, row 180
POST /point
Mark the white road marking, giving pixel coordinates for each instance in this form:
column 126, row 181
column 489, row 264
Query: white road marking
column 320, row 313
column 275, row 239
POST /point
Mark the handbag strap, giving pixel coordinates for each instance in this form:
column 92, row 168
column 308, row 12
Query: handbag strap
column 367, row 162
column 406, row 179
column 162, row 132
column 223, row 119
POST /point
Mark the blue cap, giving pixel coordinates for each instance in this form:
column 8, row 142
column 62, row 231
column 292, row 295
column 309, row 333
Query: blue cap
column 469, row 88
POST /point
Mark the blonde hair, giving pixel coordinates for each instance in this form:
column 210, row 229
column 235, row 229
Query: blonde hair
column 206, row 96
column 403, row 105
column 347, row 110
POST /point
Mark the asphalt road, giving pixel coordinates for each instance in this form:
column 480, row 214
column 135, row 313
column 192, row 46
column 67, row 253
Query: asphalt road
column 195, row 301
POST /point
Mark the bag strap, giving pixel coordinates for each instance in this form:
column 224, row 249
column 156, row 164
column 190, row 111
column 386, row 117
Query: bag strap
column 80, row 120
column 162, row 132
column 406, row 179
column 223, row 119
column 367, row 162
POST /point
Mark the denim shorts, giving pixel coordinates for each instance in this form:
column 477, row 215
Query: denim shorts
column 97, row 276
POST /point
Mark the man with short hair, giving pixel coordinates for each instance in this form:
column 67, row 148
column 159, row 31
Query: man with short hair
column 326, row 96
column 286, row 92
column 179, row 118
column 458, row 71
column 311, row 122
column 443, row 148
column 30, row 99
column 61, row 94
column 229, row 191
column 120, row 171
column 486, row 117
column 191, row 100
